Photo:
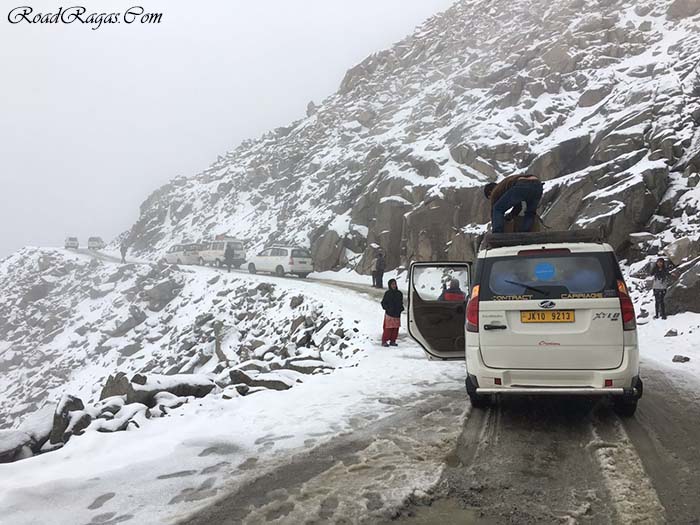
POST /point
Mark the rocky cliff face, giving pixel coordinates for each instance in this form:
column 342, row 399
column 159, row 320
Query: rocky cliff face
column 601, row 99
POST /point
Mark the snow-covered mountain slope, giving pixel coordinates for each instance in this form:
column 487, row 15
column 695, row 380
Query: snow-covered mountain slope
column 601, row 99
column 70, row 321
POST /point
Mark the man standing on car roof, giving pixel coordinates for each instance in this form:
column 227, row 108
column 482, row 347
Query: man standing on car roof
column 511, row 192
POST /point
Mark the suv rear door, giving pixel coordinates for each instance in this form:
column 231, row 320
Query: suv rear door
column 550, row 310
column 435, row 323
column 301, row 258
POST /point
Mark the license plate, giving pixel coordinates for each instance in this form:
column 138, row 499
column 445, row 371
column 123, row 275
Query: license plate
column 551, row 316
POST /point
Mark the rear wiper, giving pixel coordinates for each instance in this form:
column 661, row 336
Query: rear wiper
column 528, row 287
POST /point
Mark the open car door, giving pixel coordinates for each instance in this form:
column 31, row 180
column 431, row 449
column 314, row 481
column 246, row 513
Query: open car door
column 437, row 309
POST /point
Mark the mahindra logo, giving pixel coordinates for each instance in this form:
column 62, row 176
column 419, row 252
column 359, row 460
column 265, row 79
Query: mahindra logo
column 547, row 305
column 549, row 343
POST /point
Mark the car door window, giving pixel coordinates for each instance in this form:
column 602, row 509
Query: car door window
column 436, row 317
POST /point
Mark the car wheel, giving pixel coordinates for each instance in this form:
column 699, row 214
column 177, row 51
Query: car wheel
column 251, row 268
column 279, row 271
column 477, row 401
column 625, row 407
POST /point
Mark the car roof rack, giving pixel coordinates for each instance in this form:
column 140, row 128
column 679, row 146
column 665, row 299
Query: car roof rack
column 502, row 240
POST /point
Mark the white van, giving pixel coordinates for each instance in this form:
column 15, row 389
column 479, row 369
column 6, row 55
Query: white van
column 183, row 254
column 282, row 260
column 212, row 252
column 548, row 314
column 95, row 243
column 71, row 243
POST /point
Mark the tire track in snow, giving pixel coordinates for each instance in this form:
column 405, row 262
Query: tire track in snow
column 630, row 488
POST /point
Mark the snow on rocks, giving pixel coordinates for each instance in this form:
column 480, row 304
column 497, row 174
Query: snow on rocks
column 114, row 361
column 145, row 389
column 14, row 445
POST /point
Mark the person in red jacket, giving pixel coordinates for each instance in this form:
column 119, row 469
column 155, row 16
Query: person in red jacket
column 454, row 293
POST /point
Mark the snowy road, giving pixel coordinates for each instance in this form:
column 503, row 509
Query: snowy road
column 544, row 461
column 365, row 443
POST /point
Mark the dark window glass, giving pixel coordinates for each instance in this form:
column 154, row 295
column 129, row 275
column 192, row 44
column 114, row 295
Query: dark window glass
column 548, row 277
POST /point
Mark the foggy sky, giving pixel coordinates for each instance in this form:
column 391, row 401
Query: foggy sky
column 92, row 121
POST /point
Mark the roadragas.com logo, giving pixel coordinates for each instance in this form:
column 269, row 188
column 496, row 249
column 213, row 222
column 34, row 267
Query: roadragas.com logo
column 82, row 16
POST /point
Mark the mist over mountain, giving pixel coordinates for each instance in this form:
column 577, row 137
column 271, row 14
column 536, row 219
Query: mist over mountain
column 597, row 98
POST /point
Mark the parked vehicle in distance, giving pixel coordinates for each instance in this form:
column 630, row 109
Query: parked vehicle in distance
column 71, row 243
column 183, row 254
column 282, row 260
column 95, row 243
column 549, row 314
column 212, row 252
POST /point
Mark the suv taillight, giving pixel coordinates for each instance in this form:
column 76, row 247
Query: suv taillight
column 629, row 321
column 473, row 311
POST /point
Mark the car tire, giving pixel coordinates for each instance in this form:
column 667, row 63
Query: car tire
column 477, row 401
column 251, row 268
column 279, row 271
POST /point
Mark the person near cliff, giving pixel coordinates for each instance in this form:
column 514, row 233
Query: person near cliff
column 392, row 303
column 512, row 192
column 662, row 280
column 454, row 293
column 122, row 250
column 229, row 255
column 378, row 267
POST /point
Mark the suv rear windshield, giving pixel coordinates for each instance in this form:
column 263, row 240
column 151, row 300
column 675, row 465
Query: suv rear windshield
column 300, row 253
column 553, row 276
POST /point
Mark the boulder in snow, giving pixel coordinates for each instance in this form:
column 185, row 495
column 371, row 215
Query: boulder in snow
column 69, row 419
column 145, row 388
column 683, row 294
column 14, row 445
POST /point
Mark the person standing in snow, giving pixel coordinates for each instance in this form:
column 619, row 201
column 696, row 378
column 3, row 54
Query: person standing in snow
column 392, row 303
column 378, row 271
column 511, row 192
column 122, row 250
column 454, row 293
column 229, row 256
column 662, row 280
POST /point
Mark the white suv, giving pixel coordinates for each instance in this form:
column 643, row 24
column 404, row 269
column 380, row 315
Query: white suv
column 183, row 254
column 71, row 243
column 212, row 252
column 282, row 260
column 548, row 314
column 95, row 243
